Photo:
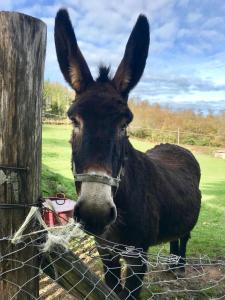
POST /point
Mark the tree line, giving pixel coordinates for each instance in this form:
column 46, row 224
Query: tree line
column 162, row 124
column 151, row 121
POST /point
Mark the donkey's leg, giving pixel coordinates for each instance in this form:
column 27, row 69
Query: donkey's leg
column 112, row 269
column 136, row 268
column 182, row 252
column 174, row 249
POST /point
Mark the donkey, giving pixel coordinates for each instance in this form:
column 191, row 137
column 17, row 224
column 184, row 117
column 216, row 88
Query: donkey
column 124, row 196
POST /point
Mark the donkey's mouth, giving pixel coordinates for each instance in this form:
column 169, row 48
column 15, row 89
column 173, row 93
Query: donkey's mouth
column 93, row 230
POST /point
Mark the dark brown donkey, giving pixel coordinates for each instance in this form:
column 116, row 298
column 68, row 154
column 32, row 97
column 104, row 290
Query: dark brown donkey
column 125, row 196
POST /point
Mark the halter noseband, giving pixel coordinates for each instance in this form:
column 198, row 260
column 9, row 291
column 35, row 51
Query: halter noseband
column 105, row 179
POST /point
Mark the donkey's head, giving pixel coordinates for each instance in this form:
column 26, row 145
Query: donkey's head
column 100, row 116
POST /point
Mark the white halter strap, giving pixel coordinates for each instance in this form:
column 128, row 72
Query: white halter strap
column 105, row 179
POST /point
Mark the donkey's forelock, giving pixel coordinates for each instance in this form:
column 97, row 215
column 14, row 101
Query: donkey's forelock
column 104, row 74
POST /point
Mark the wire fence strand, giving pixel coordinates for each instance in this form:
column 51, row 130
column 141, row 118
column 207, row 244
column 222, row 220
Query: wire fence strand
column 78, row 271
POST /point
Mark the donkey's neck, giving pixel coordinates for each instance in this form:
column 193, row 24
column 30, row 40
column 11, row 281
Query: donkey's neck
column 132, row 198
column 137, row 169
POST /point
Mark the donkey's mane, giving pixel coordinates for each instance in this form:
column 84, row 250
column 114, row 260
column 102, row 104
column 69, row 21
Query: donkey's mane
column 103, row 74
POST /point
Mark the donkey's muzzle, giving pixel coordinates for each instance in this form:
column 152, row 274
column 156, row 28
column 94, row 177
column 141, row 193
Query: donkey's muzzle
column 94, row 219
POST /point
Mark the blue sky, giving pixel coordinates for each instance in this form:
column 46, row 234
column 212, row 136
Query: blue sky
column 187, row 53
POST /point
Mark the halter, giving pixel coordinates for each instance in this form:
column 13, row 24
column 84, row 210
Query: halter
column 105, row 179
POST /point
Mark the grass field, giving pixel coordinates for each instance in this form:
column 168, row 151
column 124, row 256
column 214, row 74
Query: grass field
column 208, row 237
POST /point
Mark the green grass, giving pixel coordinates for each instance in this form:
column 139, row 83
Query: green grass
column 56, row 168
column 208, row 237
column 209, row 234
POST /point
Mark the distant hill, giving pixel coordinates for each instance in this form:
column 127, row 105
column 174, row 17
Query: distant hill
column 203, row 107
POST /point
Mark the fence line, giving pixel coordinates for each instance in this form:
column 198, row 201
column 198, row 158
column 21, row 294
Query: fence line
column 173, row 131
column 70, row 277
column 131, row 127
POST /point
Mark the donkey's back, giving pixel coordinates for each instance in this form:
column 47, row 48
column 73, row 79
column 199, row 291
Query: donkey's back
column 175, row 158
column 177, row 190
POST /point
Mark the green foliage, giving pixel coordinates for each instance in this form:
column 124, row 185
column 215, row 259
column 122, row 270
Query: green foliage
column 56, row 99
column 53, row 183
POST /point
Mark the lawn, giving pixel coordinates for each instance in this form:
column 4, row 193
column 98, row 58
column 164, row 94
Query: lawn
column 208, row 237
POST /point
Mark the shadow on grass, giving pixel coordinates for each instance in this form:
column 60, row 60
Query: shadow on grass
column 216, row 190
column 52, row 183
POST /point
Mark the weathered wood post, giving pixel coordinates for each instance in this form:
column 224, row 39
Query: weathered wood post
column 71, row 273
column 178, row 136
column 22, row 55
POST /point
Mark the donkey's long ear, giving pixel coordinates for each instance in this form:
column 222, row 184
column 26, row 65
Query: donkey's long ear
column 133, row 63
column 70, row 58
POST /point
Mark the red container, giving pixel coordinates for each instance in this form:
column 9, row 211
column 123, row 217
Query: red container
column 62, row 210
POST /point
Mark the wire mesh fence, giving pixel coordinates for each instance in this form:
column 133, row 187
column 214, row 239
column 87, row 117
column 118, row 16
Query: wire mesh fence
column 69, row 266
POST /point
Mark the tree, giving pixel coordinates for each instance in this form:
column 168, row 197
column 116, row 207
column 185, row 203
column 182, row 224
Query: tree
column 56, row 98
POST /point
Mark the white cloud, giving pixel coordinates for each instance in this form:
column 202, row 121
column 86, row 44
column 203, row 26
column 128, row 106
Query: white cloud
column 167, row 31
column 194, row 17
column 213, row 22
column 186, row 43
column 7, row 5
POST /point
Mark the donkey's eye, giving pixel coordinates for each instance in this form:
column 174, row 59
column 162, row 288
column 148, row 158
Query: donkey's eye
column 123, row 128
column 76, row 124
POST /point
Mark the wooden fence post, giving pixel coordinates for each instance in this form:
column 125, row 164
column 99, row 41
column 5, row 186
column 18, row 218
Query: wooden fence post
column 71, row 273
column 22, row 55
column 178, row 136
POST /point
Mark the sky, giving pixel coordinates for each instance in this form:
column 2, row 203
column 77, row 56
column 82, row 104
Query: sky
column 186, row 59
